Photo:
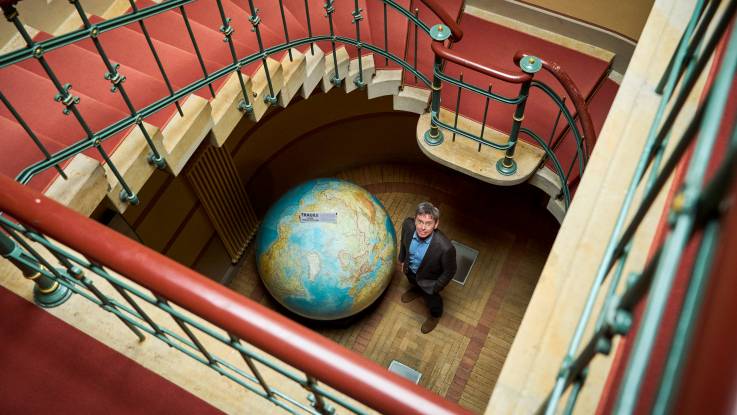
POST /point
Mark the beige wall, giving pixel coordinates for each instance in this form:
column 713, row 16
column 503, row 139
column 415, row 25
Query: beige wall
column 626, row 17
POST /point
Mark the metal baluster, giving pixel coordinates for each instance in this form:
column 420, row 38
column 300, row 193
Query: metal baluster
column 30, row 133
column 318, row 402
column 417, row 16
column 555, row 126
column 196, row 48
column 227, row 30
column 68, row 100
column 123, row 293
column 46, row 291
column 309, row 27
column 329, row 10
column 235, row 342
column 357, row 20
column 570, row 169
column 255, row 20
column 386, row 37
column 575, row 391
column 434, row 136
column 507, row 166
column 486, row 112
column 134, row 9
column 106, row 303
column 458, row 108
column 695, row 39
column 286, row 31
column 212, row 362
column 117, row 80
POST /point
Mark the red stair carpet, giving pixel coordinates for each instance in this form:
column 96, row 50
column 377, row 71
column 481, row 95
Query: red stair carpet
column 49, row 367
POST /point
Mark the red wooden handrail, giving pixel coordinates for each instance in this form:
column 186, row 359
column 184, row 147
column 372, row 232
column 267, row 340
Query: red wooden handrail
column 457, row 58
column 579, row 103
column 288, row 341
column 456, row 33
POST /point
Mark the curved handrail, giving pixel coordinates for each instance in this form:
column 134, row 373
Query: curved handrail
column 458, row 58
column 579, row 103
column 565, row 188
column 285, row 339
column 455, row 29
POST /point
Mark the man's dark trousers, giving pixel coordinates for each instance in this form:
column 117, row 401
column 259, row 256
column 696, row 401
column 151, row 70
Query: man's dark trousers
column 433, row 301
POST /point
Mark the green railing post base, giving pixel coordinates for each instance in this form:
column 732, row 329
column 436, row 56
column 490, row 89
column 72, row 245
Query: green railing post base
column 52, row 296
column 326, row 409
column 245, row 107
column 157, row 161
column 506, row 167
column 433, row 140
column 359, row 83
column 128, row 198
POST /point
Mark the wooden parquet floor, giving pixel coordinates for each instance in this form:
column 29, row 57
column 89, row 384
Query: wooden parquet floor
column 462, row 358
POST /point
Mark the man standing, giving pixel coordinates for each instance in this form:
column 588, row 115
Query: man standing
column 428, row 259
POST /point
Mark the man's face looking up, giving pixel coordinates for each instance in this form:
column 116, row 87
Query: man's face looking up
column 425, row 225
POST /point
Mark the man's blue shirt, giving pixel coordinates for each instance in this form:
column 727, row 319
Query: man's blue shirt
column 417, row 250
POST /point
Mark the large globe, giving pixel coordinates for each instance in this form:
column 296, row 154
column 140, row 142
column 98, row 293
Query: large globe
column 326, row 249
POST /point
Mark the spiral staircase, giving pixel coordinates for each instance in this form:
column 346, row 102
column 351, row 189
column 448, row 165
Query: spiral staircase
column 119, row 159
column 187, row 75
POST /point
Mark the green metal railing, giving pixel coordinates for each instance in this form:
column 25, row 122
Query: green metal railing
column 94, row 139
column 696, row 208
column 529, row 66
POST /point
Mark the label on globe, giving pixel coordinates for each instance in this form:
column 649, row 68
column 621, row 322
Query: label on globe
column 331, row 217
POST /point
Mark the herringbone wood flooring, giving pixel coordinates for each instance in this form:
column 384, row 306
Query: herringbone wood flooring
column 461, row 359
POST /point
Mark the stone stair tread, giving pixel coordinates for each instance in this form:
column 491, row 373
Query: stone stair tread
column 462, row 154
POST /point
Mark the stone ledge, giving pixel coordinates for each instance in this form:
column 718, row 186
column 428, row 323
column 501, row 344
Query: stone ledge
column 462, row 154
column 85, row 188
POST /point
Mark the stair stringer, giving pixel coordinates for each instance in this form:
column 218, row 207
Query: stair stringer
column 549, row 182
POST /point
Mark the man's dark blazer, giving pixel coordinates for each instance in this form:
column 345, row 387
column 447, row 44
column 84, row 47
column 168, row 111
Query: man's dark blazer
column 439, row 264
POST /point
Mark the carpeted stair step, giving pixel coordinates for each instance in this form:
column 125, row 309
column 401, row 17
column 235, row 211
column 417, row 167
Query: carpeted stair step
column 33, row 97
column 24, row 153
column 127, row 45
column 246, row 43
column 77, row 62
column 169, row 27
column 272, row 27
column 396, row 28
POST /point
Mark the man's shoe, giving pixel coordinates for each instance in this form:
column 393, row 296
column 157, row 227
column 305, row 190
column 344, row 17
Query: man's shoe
column 429, row 324
column 410, row 295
